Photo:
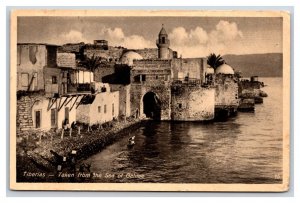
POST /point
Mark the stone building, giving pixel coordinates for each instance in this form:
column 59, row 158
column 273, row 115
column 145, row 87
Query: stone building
column 150, row 88
column 34, row 61
column 50, row 87
column 227, row 99
column 161, row 85
column 170, row 88
column 147, row 83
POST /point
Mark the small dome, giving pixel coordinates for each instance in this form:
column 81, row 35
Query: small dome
column 210, row 70
column 128, row 57
column 224, row 69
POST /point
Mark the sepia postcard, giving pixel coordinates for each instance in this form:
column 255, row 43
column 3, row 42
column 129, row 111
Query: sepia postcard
column 152, row 100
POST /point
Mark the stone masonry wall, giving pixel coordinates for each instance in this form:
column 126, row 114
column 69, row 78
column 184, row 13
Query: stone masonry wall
column 148, row 53
column 31, row 59
column 192, row 67
column 103, row 71
column 192, row 103
column 113, row 53
column 24, row 115
column 163, row 93
column 226, row 90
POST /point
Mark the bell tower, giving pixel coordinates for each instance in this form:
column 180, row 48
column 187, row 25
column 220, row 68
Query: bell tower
column 163, row 44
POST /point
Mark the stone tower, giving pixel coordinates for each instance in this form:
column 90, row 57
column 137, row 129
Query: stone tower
column 163, row 44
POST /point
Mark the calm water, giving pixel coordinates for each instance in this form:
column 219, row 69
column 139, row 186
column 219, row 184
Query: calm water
column 245, row 149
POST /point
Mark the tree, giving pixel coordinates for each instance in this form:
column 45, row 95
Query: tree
column 91, row 64
column 215, row 61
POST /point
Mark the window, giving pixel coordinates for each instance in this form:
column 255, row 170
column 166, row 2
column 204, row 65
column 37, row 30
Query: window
column 54, row 80
column 99, row 109
column 166, row 78
column 156, row 77
column 104, row 108
column 113, row 109
column 180, row 105
column 24, row 79
column 35, row 79
column 137, row 78
column 143, row 77
column 53, row 118
column 163, row 40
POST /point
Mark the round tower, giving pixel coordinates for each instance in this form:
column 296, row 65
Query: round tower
column 163, row 44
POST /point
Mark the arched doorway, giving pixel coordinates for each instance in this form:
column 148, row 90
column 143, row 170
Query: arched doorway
column 152, row 106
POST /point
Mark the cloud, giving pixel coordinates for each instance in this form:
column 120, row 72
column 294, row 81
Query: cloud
column 195, row 42
column 198, row 42
column 180, row 36
column 116, row 37
column 73, row 36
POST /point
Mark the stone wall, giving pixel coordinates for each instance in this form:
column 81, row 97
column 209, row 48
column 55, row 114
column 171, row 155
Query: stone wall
column 52, row 88
column 112, row 54
column 192, row 103
column 226, row 90
column 24, row 116
column 31, row 59
column 28, row 105
column 83, row 113
column 249, row 85
column 103, row 72
column 71, row 48
column 163, row 92
column 148, row 53
column 191, row 67
column 66, row 60
column 124, row 98
column 151, row 71
column 151, row 76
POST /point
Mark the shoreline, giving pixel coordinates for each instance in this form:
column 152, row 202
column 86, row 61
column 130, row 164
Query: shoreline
column 35, row 158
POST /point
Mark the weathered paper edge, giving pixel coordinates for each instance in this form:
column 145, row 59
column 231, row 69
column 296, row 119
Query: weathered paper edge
column 153, row 186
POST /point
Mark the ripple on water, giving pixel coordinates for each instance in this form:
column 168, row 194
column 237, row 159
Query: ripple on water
column 245, row 149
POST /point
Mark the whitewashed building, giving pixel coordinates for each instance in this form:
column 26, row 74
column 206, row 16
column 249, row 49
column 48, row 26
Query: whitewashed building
column 101, row 107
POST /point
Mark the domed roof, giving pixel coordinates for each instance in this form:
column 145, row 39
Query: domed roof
column 224, row 69
column 210, row 70
column 128, row 57
column 163, row 31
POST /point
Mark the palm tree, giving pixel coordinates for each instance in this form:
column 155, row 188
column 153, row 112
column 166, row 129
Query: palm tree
column 91, row 64
column 215, row 61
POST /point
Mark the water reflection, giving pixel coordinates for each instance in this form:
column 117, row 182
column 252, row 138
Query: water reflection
column 245, row 149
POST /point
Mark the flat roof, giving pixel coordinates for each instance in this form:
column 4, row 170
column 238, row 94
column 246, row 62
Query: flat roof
column 29, row 43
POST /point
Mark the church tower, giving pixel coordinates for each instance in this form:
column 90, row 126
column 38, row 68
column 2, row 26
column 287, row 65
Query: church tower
column 163, row 44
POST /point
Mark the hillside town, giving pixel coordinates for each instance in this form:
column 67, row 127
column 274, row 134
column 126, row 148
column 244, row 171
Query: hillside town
column 74, row 90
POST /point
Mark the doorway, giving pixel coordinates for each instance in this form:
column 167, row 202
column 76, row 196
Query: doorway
column 152, row 106
column 38, row 119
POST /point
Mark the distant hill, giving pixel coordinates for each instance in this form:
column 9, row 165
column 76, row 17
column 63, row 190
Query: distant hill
column 262, row 65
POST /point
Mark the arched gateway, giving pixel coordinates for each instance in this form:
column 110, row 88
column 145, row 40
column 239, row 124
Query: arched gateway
column 152, row 106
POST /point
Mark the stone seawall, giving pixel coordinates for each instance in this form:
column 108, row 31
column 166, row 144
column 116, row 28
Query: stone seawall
column 34, row 155
column 192, row 103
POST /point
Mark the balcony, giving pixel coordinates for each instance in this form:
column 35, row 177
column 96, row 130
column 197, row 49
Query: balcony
column 79, row 88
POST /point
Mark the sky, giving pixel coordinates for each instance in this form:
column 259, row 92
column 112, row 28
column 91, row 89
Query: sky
column 189, row 36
